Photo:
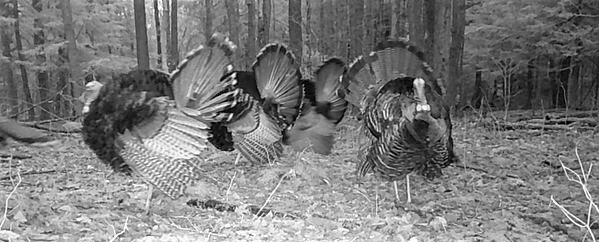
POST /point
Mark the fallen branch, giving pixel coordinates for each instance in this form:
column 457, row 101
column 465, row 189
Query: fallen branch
column 15, row 187
column 225, row 207
column 14, row 156
column 26, row 174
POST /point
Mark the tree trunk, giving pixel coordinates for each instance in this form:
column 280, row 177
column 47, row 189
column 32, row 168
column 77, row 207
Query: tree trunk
column 232, row 7
column 251, row 41
column 322, row 31
column 166, row 32
column 329, row 35
column 13, row 97
column 458, row 17
column 356, row 27
column 295, row 29
column 402, row 20
column 42, row 74
column 564, row 76
column 24, row 78
column 174, row 50
column 530, row 84
column 158, row 30
column 369, row 25
column 415, row 22
column 74, row 86
column 208, row 21
column 340, row 28
column 309, row 36
column 141, row 35
column 394, row 12
column 263, row 30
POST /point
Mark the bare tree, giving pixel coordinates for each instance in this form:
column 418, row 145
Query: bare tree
column 251, row 41
column 13, row 97
column 20, row 57
column 166, row 32
column 208, row 20
column 356, row 27
column 456, row 49
column 40, row 58
column 295, row 28
column 174, row 50
column 263, row 30
column 232, row 7
column 158, row 30
column 141, row 35
column 74, row 87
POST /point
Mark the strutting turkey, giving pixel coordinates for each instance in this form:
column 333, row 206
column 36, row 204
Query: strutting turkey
column 270, row 103
column 323, row 107
column 403, row 111
column 156, row 125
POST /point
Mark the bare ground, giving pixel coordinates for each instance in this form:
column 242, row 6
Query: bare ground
column 507, row 198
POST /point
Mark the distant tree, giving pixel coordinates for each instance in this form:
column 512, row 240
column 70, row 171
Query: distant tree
column 263, row 30
column 456, row 48
column 158, row 30
column 8, row 75
column 166, row 32
column 295, row 28
column 208, row 20
column 74, row 85
column 356, row 27
column 24, row 78
column 141, row 35
column 174, row 50
column 39, row 40
column 251, row 41
column 232, row 8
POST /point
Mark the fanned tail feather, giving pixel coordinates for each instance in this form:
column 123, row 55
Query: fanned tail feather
column 170, row 175
column 328, row 89
column 199, row 88
column 256, row 135
column 277, row 78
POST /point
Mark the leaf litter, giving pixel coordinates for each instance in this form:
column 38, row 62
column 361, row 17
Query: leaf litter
column 506, row 199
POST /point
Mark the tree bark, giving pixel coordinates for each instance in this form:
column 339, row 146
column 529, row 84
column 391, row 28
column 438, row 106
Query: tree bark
column 356, row 27
column 40, row 58
column 415, row 22
column 458, row 17
column 263, row 30
column 158, row 30
column 24, row 78
column 166, row 32
column 174, row 50
column 295, row 29
column 141, row 35
column 251, row 41
column 5, row 38
column 208, row 21
column 232, row 7
column 75, row 85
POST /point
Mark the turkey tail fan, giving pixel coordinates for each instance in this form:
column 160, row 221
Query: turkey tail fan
column 314, row 130
column 278, row 81
column 169, row 174
column 198, row 90
column 390, row 60
column 330, row 100
column 256, row 135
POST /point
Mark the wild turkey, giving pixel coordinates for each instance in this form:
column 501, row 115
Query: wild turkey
column 323, row 107
column 156, row 125
column 403, row 110
column 269, row 104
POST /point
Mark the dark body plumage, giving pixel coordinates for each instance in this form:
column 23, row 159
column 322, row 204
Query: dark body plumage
column 404, row 114
column 323, row 107
column 156, row 125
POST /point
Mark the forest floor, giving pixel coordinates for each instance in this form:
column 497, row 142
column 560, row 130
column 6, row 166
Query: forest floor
column 65, row 194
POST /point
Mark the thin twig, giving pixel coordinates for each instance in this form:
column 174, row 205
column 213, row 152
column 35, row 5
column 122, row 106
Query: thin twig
column 273, row 192
column 4, row 216
column 116, row 236
column 26, row 174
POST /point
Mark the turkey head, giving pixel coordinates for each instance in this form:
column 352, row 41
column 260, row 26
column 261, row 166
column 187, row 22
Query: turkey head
column 92, row 90
column 427, row 126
